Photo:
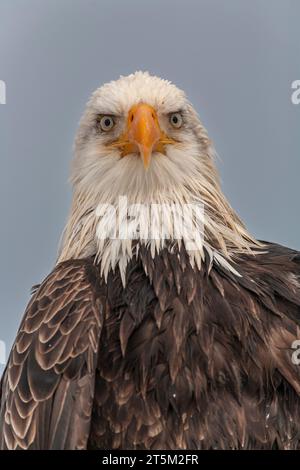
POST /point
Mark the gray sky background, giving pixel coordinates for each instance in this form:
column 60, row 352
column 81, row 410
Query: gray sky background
column 236, row 60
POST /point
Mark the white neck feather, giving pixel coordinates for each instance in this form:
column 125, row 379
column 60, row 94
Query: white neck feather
column 220, row 234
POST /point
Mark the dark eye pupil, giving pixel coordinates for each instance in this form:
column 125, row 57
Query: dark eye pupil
column 107, row 122
column 175, row 119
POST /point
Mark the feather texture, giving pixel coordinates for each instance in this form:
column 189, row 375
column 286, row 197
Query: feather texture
column 48, row 385
column 194, row 359
column 180, row 358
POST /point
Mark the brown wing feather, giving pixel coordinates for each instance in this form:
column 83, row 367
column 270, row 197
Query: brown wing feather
column 200, row 360
column 48, row 385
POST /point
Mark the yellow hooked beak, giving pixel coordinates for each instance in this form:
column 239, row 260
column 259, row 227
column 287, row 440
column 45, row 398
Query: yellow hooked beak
column 143, row 133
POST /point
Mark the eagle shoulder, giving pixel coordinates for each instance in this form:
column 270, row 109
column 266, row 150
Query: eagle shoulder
column 48, row 384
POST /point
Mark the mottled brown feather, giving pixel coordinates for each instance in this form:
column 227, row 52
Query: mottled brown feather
column 208, row 359
column 48, row 386
column 180, row 358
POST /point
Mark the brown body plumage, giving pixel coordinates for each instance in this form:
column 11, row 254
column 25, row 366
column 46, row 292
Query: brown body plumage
column 179, row 359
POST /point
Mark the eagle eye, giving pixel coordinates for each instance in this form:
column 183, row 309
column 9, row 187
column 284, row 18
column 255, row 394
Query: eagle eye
column 106, row 123
column 176, row 120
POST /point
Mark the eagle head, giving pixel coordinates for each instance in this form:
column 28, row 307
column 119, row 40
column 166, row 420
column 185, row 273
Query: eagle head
column 141, row 139
column 139, row 134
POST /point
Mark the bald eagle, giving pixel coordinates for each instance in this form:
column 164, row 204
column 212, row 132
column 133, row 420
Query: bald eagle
column 160, row 327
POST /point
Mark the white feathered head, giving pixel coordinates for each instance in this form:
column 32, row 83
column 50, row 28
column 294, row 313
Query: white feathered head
column 141, row 139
